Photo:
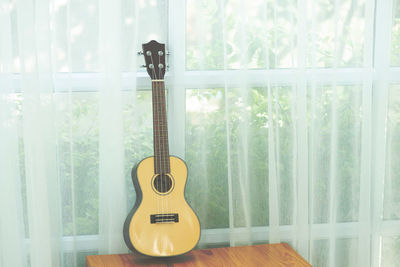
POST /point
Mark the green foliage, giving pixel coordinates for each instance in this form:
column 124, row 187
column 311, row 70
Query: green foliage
column 267, row 34
column 78, row 152
column 390, row 251
column 395, row 55
column 392, row 173
column 138, row 134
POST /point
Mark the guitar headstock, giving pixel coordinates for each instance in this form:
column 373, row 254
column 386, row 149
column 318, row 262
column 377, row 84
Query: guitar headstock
column 154, row 57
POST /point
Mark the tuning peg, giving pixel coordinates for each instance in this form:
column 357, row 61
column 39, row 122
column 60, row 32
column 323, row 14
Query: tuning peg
column 143, row 66
column 140, row 53
column 168, row 53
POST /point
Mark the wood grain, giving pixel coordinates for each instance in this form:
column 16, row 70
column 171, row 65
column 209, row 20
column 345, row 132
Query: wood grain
column 163, row 239
column 274, row 255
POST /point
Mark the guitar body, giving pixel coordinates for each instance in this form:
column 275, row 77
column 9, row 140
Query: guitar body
column 161, row 223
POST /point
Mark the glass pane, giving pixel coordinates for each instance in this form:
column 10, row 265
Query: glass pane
column 151, row 24
column 349, row 152
column 264, row 34
column 207, row 188
column 11, row 120
column 335, row 137
column 78, row 153
column 83, row 35
column 248, row 139
column 258, row 34
column 346, row 253
column 249, row 123
column 204, row 45
column 395, row 53
column 325, row 48
column 320, row 253
column 207, row 155
column 74, row 44
column 283, row 118
column 138, row 134
column 70, row 259
column 390, row 251
column 391, row 209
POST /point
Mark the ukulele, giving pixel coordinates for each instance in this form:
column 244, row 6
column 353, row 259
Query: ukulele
column 161, row 223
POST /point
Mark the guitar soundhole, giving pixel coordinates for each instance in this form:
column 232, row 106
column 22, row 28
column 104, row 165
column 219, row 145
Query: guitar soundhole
column 162, row 183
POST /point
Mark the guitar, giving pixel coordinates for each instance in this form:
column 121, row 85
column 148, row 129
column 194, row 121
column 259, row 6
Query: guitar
column 161, row 223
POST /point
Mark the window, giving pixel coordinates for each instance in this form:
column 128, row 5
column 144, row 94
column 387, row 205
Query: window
column 286, row 128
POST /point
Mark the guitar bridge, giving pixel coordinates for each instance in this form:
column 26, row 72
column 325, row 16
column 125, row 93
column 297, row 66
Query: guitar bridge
column 164, row 218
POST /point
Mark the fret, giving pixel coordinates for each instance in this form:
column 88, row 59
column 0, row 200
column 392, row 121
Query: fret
column 160, row 128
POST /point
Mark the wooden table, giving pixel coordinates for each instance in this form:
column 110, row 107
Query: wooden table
column 258, row 255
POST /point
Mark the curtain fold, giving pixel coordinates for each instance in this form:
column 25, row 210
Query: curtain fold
column 39, row 144
column 12, row 247
column 112, row 194
column 365, row 229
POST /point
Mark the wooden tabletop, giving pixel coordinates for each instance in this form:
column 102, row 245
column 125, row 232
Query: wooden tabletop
column 273, row 255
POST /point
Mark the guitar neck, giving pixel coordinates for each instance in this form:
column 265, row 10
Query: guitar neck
column 160, row 128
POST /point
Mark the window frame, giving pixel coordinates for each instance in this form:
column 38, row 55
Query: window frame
column 382, row 75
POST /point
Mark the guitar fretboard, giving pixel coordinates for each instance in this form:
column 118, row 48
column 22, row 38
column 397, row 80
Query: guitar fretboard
column 160, row 128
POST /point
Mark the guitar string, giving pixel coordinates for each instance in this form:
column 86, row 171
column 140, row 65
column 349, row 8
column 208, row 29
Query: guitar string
column 161, row 122
column 164, row 144
column 161, row 152
column 160, row 147
column 165, row 156
column 156, row 136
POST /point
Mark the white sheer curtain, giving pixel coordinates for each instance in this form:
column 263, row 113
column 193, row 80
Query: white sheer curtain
column 286, row 112
column 64, row 178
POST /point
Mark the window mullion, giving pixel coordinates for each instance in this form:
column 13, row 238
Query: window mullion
column 256, row 77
